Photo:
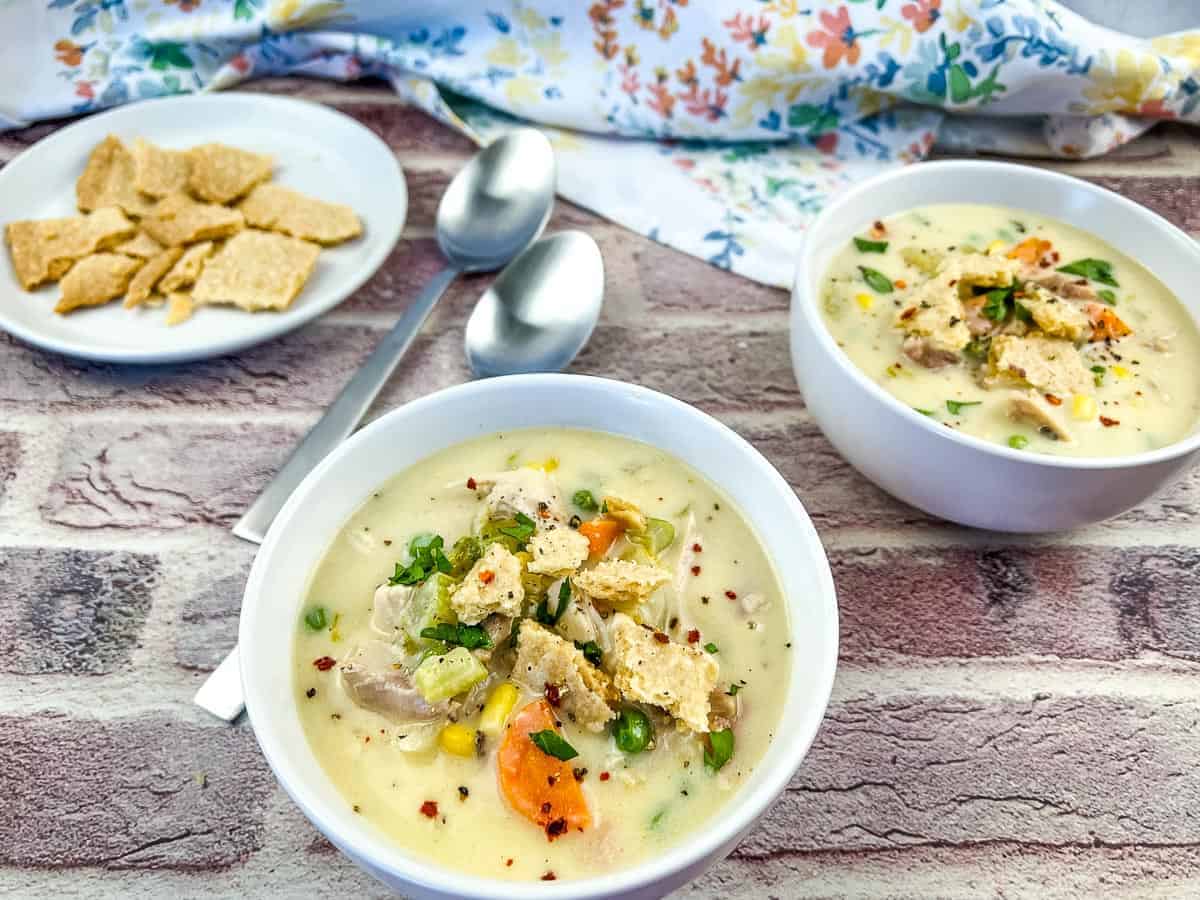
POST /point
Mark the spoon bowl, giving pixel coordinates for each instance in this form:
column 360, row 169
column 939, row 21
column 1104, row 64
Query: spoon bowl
column 499, row 203
column 541, row 310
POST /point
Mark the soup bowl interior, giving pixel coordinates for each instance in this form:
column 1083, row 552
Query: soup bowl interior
column 316, row 512
column 921, row 461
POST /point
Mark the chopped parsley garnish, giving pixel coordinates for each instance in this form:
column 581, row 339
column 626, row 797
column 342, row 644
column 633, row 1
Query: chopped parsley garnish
column 473, row 637
column 718, row 749
column 316, row 618
column 552, row 744
column 1018, row 442
column 543, row 614
column 585, row 501
column 591, row 652
column 996, row 305
column 865, row 246
column 924, row 412
column 734, row 687
column 522, row 531
column 957, row 406
column 1107, row 296
column 1094, row 269
column 877, row 281
column 1098, row 375
column 710, row 647
column 426, row 557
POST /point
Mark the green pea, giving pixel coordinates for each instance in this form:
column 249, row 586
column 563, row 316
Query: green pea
column 585, row 501
column 1018, row 442
column 632, row 731
column 316, row 618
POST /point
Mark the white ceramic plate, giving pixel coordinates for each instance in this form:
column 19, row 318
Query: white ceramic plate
column 317, row 151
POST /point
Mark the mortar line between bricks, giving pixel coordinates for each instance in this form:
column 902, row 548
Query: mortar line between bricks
column 1019, row 678
column 1122, row 532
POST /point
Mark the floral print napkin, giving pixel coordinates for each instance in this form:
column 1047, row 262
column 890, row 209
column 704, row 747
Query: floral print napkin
column 718, row 127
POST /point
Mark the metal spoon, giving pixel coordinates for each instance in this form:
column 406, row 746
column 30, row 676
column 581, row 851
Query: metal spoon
column 493, row 209
column 541, row 310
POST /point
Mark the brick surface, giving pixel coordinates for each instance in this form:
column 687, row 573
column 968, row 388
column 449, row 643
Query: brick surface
column 10, row 460
column 130, row 793
column 72, row 611
column 709, row 367
column 210, row 601
column 1172, row 198
column 1081, row 602
column 675, row 282
column 407, row 130
column 163, row 476
column 948, row 771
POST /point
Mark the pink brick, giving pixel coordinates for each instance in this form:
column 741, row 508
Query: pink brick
column 73, row 611
column 406, row 129
column 945, row 771
column 676, row 282
column 162, row 477
column 152, row 793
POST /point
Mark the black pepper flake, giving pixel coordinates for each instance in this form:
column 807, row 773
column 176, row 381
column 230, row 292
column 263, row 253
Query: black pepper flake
column 546, row 809
column 310, row 693
column 356, row 808
column 556, row 828
column 463, row 792
column 579, row 773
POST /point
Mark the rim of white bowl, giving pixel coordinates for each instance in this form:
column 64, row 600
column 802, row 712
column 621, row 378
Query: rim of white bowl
column 748, row 804
column 806, row 314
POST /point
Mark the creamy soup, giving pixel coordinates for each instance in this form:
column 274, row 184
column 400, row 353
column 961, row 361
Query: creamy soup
column 542, row 654
column 1018, row 329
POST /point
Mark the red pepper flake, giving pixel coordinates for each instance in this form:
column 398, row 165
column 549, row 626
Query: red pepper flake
column 661, row 638
column 877, row 229
column 487, row 576
column 325, row 663
column 472, row 484
column 732, row 595
column 693, row 635
column 1053, row 401
column 604, row 776
column 1107, row 422
column 696, row 548
column 695, row 570
column 901, row 283
column 908, row 313
column 553, row 695
column 387, row 542
column 429, row 809
column 549, row 876
column 508, row 862
column 552, row 780
column 557, row 828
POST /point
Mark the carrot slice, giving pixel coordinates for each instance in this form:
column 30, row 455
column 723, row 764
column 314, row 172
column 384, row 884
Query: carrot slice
column 1029, row 250
column 1105, row 323
column 601, row 533
column 536, row 785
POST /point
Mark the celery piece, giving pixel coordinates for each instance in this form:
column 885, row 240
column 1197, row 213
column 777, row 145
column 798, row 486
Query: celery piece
column 439, row 678
column 464, row 554
column 429, row 605
column 657, row 536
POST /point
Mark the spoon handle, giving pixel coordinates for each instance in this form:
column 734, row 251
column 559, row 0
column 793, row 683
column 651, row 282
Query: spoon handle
column 345, row 412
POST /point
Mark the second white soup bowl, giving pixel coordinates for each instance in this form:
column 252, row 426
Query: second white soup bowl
column 947, row 473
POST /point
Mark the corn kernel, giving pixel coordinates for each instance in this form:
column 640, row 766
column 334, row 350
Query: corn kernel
column 1083, row 407
column 546, row 465
column 498, row 706
column 1120, row 371
column 865, row 301
column 458, row 739
column 995, row 247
